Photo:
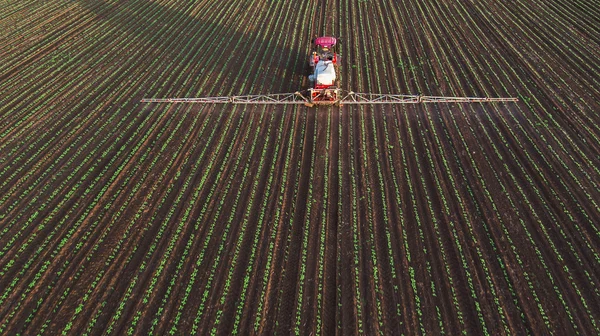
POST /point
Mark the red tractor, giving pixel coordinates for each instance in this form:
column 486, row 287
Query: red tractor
column 323, row 62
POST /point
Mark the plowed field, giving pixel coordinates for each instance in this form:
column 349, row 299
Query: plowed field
column 118, row 217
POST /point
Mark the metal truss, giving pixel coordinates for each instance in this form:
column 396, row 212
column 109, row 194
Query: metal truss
column 437, row 99
column 374, row 98
column 208, row 100
column 348, row 98
column 277, row 98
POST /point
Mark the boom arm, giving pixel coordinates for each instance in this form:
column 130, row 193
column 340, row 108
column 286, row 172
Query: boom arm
column 374, row 98
column 276, row 98
column 437, row 99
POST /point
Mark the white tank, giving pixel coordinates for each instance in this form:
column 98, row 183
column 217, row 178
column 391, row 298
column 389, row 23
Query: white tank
column 325, row 73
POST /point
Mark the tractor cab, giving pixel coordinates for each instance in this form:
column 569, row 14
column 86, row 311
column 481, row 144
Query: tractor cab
column 325, row 48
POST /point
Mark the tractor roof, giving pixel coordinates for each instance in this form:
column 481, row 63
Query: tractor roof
column 325, row 41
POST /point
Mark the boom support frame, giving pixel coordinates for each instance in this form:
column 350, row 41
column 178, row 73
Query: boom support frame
column 348, row 98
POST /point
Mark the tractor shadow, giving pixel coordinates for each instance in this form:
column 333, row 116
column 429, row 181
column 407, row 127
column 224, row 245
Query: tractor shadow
column 217, row 57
